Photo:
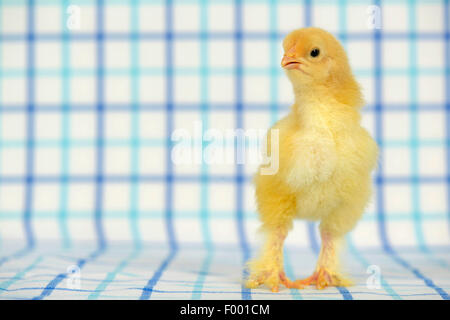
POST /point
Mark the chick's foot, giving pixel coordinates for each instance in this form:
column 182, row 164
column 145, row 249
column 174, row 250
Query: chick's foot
column 322, row 278
column 272, row 278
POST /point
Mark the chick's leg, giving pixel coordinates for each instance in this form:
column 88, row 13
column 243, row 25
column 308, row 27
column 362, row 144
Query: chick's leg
column 268, row 268
column 327, row 269
column 277, row 208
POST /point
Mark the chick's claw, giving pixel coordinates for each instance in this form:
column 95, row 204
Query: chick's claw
column 271, row 279
column 286, row 281
column 301, row 284
column 322, row 279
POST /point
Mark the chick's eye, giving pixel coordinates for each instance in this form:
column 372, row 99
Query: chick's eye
column 315, row 52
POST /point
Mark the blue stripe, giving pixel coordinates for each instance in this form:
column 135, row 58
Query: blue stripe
column 148, row 289
column 29, row 234
column 428, row 282
column 155, row 142
column 16, row 255
column 1, row 78
column 100, row 129
column 246, row 293
column 204, row 71
column 135, row 75
column 275, row 69
column 60, row 277
column 18, row 276
column 111, row 275
column 447, row 102
column 316, row 294
column 204, row 270
column 190, row 214
column 366, row 264
column 65, row 129
column 345, row 293
column 186, row 178
column 84, row 143
column 378, row 133
column 343, row 22
column 204, row 210
column 414, row 134
column 189, row 71
column 187, row 35
column 169, row 124
column 314, row 244
column 307, row 13
column 193, row 107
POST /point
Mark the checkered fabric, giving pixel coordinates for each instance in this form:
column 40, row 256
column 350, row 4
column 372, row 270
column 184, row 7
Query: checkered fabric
column 91, row 205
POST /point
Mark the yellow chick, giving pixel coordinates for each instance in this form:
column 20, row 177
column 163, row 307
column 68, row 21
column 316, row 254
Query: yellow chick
column 325, row 161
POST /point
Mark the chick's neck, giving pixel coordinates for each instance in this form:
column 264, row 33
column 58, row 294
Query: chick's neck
column 311, row 94
column 317, row 106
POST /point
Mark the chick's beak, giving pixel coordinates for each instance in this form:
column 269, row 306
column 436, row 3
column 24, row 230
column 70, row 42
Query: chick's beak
column 290, row 63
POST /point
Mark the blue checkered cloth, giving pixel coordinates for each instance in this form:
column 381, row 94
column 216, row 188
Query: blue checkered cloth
column 91, row 205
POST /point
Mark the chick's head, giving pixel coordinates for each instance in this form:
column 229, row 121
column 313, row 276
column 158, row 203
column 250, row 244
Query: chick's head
column 314, row 58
